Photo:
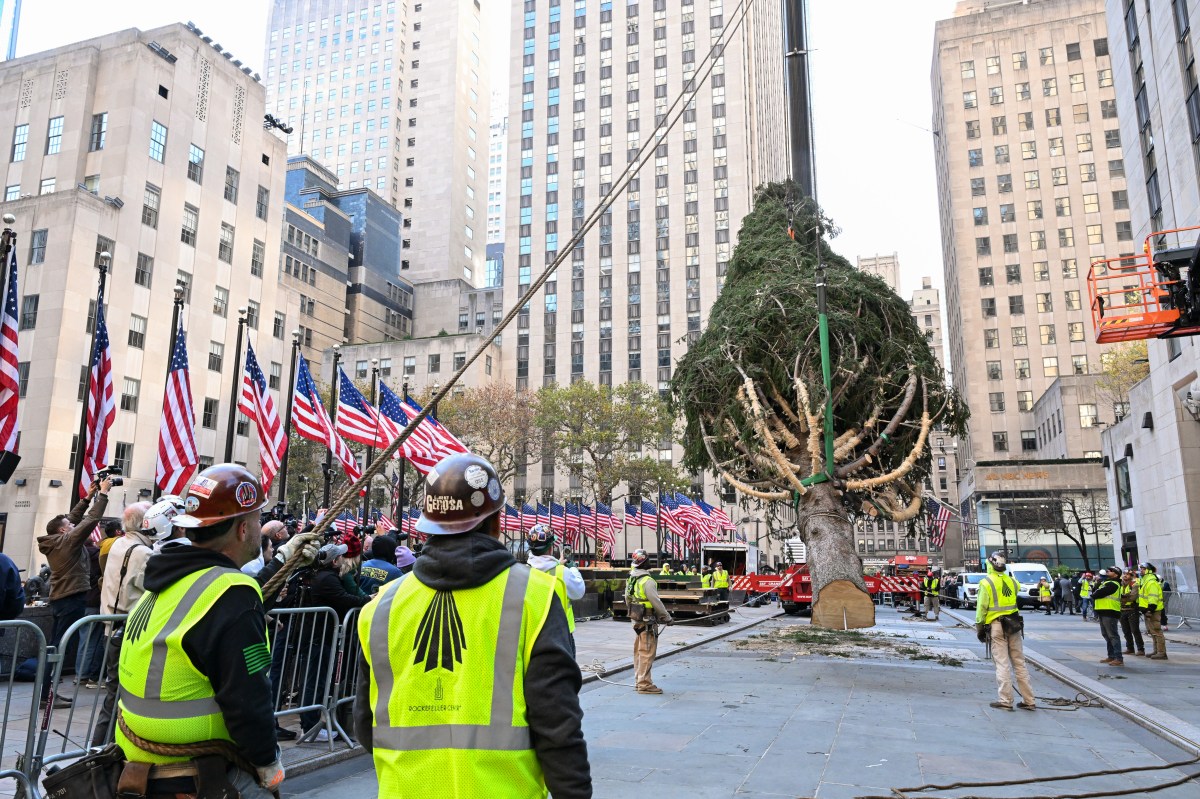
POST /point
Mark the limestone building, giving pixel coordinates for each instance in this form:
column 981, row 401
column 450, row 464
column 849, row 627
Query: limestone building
column 1152, row 457
column 1031, row 170
column 148, row 145
column 393, row 96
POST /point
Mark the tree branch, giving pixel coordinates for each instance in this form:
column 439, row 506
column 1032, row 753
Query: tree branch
column 910, row 390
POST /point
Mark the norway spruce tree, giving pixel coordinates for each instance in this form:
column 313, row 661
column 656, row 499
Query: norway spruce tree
column 753, row 396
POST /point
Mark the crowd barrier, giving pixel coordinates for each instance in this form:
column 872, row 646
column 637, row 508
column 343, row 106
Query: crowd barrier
column 313, row 673
column 1185, row 605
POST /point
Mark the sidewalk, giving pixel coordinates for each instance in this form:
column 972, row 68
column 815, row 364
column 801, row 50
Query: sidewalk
column 735, row 721
column 1167, row 687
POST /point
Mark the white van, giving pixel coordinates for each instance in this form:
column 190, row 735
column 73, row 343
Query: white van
column 1028, row 574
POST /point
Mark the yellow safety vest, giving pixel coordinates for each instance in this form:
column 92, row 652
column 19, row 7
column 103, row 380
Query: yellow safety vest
column 1045, row 591
column 1110, row 602
column 706, row 580
column 635, row 588
column 447, row 685
column 932, row 584
column 163, row 697
column 1150, row 591
column 1002, row 602
column 560, row 588
column 1085, row 589
column 721, row 578
column 665, row 570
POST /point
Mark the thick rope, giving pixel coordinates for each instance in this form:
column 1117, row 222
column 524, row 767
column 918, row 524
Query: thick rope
column 674, row 113
column 214, row 747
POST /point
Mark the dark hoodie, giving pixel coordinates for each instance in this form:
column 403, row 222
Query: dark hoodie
column 552, row 678
column 220, row 646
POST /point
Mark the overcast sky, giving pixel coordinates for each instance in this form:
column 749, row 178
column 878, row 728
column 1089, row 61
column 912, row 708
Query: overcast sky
column 870, row 66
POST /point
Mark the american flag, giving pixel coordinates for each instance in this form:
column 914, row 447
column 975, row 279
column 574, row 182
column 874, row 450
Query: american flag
column 939, row 518
column 177, row 457
column 673, row 519
column 447, row 441
column 383, row 524
column 543, row 514
column 673, row 544
column 649, row 514
column 418, row 448
column 256, row 404
column 101, row 407
column 357, row 420
column 406, row 522
column 716, row 514
column 606, row 523
column 345, row 522
column 511, row 520
column 528, row 515
column 10, row 381
column 312, row 422
column 632, row 516
column 414, row 513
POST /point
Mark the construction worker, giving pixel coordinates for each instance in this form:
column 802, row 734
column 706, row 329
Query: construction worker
column 1106, row 603
column 706, row 578
column 1131, row 625
column 466, row 683
column 568, row 583
column 195, row 656
column 721, row 582
column 646, row 611
column 1045, row 596
column 666, row 569
column 931, row 586
column 1150, row 600
column 998, row 620
column 1085, row 594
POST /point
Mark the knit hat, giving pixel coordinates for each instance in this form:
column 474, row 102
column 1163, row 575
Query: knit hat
column 384, row 548
column 404, row 557
column 353, row 545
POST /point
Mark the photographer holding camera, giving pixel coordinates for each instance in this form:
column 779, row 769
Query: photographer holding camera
column 63, row 545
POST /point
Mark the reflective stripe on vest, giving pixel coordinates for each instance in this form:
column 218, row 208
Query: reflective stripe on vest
column 478, row 736
column 1085, row 589
column 1112, row 601
column 996, row 610
column 154, row 667
column 560, row 588
column 706, row 581
column 721, row 578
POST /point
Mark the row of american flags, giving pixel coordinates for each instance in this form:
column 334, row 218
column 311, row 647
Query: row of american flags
column 178, row 458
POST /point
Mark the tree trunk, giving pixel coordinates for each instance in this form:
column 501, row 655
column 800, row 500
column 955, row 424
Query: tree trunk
column 840, row 598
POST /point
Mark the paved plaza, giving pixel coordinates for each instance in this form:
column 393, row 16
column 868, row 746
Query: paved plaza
column 734, row 721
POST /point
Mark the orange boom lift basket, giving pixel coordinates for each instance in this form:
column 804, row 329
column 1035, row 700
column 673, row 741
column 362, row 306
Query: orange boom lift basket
column 1152, row 295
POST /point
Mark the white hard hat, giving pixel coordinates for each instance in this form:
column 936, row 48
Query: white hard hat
column 998, row 561
column 159, row 520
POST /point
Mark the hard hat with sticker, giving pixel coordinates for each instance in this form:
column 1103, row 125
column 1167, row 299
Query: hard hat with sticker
column 475, row 476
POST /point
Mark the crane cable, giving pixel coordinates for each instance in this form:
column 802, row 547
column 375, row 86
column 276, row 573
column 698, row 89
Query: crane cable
column 667, row 122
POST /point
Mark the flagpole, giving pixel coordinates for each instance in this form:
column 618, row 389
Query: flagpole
column 179, row 292
column 105, row 258
column 287, row 421
column 333, row 392
column 371, row 450
column 236, row 390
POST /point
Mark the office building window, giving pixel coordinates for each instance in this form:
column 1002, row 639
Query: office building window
column 137, row 332
column 20, row 142
column 1021, row 368
column 191, row 223
column 1050, row 367
column 1024, row 401
column 225, row 245
column 195, row 167
column 258, row 257
column 129, row 394
column 54, row 133
column 1028, row 440
column 262, row 203
column 208, row 418
column 37, row 246
column 99, row 132
column 221, row 302
column 29, row 312
column 216, row 355
column 1000, row 442
column 158, row 141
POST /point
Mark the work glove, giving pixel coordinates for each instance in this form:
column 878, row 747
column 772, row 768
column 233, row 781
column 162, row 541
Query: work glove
column 307, row 544
column 1151, row 608
column 271, row 777
column 981, row 633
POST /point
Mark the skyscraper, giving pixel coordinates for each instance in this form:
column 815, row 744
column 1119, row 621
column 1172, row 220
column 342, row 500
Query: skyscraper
column 587, row 92
column 365, row 99
column 1031, row 188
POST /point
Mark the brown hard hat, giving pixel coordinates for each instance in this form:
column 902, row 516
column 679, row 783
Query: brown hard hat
column 460, row 492
column 218, row 493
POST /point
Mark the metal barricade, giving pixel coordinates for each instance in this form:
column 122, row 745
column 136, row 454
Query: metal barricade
column 82, row 724
column 304, row 649
column 346, row 676
column 1185, row 605
column 21, row 710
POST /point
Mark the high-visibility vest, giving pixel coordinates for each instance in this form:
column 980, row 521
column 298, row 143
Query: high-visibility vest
column 1110, row 602
column 706, row 580
column 721, row 578
column 1002, row 596
column 1150, row 591
column 1044, row 591
column 1124, row 593
column 665, row 570
column 635, row 590
column 1085, row 589
column 931, row 585
column 447, row 685
column 164, row 697
column 560, row 588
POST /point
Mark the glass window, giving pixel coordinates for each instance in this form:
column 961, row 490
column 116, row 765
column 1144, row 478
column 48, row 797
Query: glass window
column 993, row 65
column 1095, row 234
column 983, row 245
column 999, row 126
column 1021, row 367
column 1037, row 239
column 1032, row 180
column 975, row 157
column 144, row 270
column 1018, row 337
column 29, row 312
column 20, row 142
column 191, row 222
column 262, row 203
column 977, row 187
column 150, row 202
column 1066, row 237
column 1000, row 442
column 1070, row 268
column 1025, row 120
column 1022, row 91
column 225, row 245
column 37, row 246
column 1007, row 214
column 54, row 133
column 1056, row 146
column 973, row 129
column 1076, row 82
column 1124, row 489
column 985, row 276
column 252, row 314
column 1025, row 401
column 1083, row 142
column 994, row 372
column 158, row 141
column 1062, row 206
column 1091, row 203
column 970, row 100
column 1046, row 334
column 967, row 69
column 410, row 364
column 1001, row 152
column 1046, row 56
column 996, row 401
column 1041, row 270
column 1104, row 78
column 1075, row 331
column 1087, row 414
column 1019, row 61
column 1044, row 303
column 1016, row 305
column 232, row 179
column 216, row 355
column 1072, row 300
column 988, row 306
column 1080, row 113
column 1049, row 87
column 1079, row 364
column 1012, row 273
column 1028, row 150
column 1028, row 440
column 137, row 332
column 1058, row 176
column 1087, row 172
column 1050, row 367
column 996, row 95
column 981, row 216
column 130, row 391
column 991, row 338
column 1053, row 120
column 221, row 302
column 1033, row 209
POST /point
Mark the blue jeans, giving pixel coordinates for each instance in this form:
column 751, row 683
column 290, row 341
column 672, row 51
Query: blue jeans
column 90, row 653
column 1110, row 628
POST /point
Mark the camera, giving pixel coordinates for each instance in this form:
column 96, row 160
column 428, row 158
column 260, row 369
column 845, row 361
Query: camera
column 110, row 473
column 361, row 530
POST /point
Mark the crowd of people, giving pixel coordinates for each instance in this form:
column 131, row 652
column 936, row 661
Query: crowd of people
column 197, row 660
